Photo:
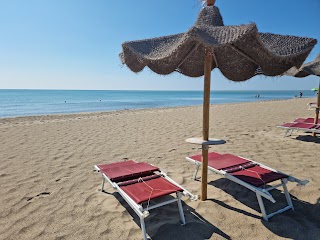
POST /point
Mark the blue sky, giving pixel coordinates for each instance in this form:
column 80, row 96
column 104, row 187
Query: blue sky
column 74, row 44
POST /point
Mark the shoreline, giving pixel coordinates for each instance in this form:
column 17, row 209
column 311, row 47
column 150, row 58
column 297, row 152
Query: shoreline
column 101, row 113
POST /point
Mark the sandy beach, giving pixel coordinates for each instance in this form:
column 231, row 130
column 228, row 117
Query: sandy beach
column 49, row 189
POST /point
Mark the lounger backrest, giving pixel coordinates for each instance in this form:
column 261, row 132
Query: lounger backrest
column 116, row 164
column 288, row 125
column 300, row 125
column 309, row 120
column 306, row 120
column 225, row 161
column 125, row 172
column 210, row 156
column 305, row 125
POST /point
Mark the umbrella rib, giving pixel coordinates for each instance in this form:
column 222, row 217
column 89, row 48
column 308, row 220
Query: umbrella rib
column 250, row 59
column 243, row 54
column 215, row 59
column 188, row 54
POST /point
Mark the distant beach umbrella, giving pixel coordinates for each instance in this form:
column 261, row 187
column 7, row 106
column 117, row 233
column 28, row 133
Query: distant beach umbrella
column 240, row 52
column 310, row 68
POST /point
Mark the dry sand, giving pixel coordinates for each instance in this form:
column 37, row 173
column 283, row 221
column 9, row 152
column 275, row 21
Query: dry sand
column 50, row 191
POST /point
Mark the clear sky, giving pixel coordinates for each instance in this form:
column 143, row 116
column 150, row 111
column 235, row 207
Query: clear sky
column 74, row 44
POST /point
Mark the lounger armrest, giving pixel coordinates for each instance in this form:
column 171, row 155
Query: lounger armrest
column 96, row 168
column 190, row 196
column 298, row 181
column 303, row 182
column 145, row 214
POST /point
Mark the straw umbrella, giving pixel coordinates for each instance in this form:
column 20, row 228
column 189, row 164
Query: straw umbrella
column 240, row 52
column 310, row 68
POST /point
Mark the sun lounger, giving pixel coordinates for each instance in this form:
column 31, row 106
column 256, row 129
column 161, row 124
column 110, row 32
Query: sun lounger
column 306, row 120
column 250, row 174
column 139, row 183
column 312, row 105
column 299, row 126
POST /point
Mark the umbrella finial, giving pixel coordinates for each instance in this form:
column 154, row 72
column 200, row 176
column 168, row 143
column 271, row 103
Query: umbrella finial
column 210, row 2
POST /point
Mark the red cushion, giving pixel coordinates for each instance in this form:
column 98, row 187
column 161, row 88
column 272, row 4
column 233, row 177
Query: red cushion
column 258, row 176
column 288, row 125
column 116, row 164
column 306, row 120
column 150, row 189
column 199, row 157
column 226, row 161
column 299, row 125
column 304, row 125
column 239, row 167
column 139, row 179
column 300, row 120
column 221, row 161
column 120, row 173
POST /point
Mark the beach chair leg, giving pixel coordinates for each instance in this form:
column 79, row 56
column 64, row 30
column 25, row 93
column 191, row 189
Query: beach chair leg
column 183, row 221
column 288, row 132
column 262, row 208
column 196, row 172
column 102, row 185
column 143, row 228
column 286, row 193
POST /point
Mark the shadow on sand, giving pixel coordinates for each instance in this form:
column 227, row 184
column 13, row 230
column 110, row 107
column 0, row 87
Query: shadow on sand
column 164, row 222
column 308, row 138
column 302, row 223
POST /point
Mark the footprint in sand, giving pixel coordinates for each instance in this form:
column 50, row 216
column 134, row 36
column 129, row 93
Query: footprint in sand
column 59, row 179
column 38, row 195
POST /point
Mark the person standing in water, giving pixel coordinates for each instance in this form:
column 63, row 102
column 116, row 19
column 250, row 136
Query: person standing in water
column 300, row 94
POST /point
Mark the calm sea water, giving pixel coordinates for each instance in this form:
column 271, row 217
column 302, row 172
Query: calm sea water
column 41, row 102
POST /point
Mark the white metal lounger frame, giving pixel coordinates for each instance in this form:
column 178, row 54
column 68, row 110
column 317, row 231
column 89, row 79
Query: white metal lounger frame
column 312, row 106
column 260, row 192
column 144, row 212
column 289, row 130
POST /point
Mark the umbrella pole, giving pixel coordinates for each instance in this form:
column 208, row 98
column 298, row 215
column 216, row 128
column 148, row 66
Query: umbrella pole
column 205, row 130
column 316, row 118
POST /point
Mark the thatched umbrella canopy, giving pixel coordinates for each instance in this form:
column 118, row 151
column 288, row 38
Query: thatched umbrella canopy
column 240, row 52
column 310, row 68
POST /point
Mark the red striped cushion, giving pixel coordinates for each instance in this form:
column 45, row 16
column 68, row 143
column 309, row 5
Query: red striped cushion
column 258, row 176
column 150, row 189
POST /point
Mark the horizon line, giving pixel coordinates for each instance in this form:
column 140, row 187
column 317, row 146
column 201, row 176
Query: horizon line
column 164, row 90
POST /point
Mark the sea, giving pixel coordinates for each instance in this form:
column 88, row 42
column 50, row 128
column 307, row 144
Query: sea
column 14, row 103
